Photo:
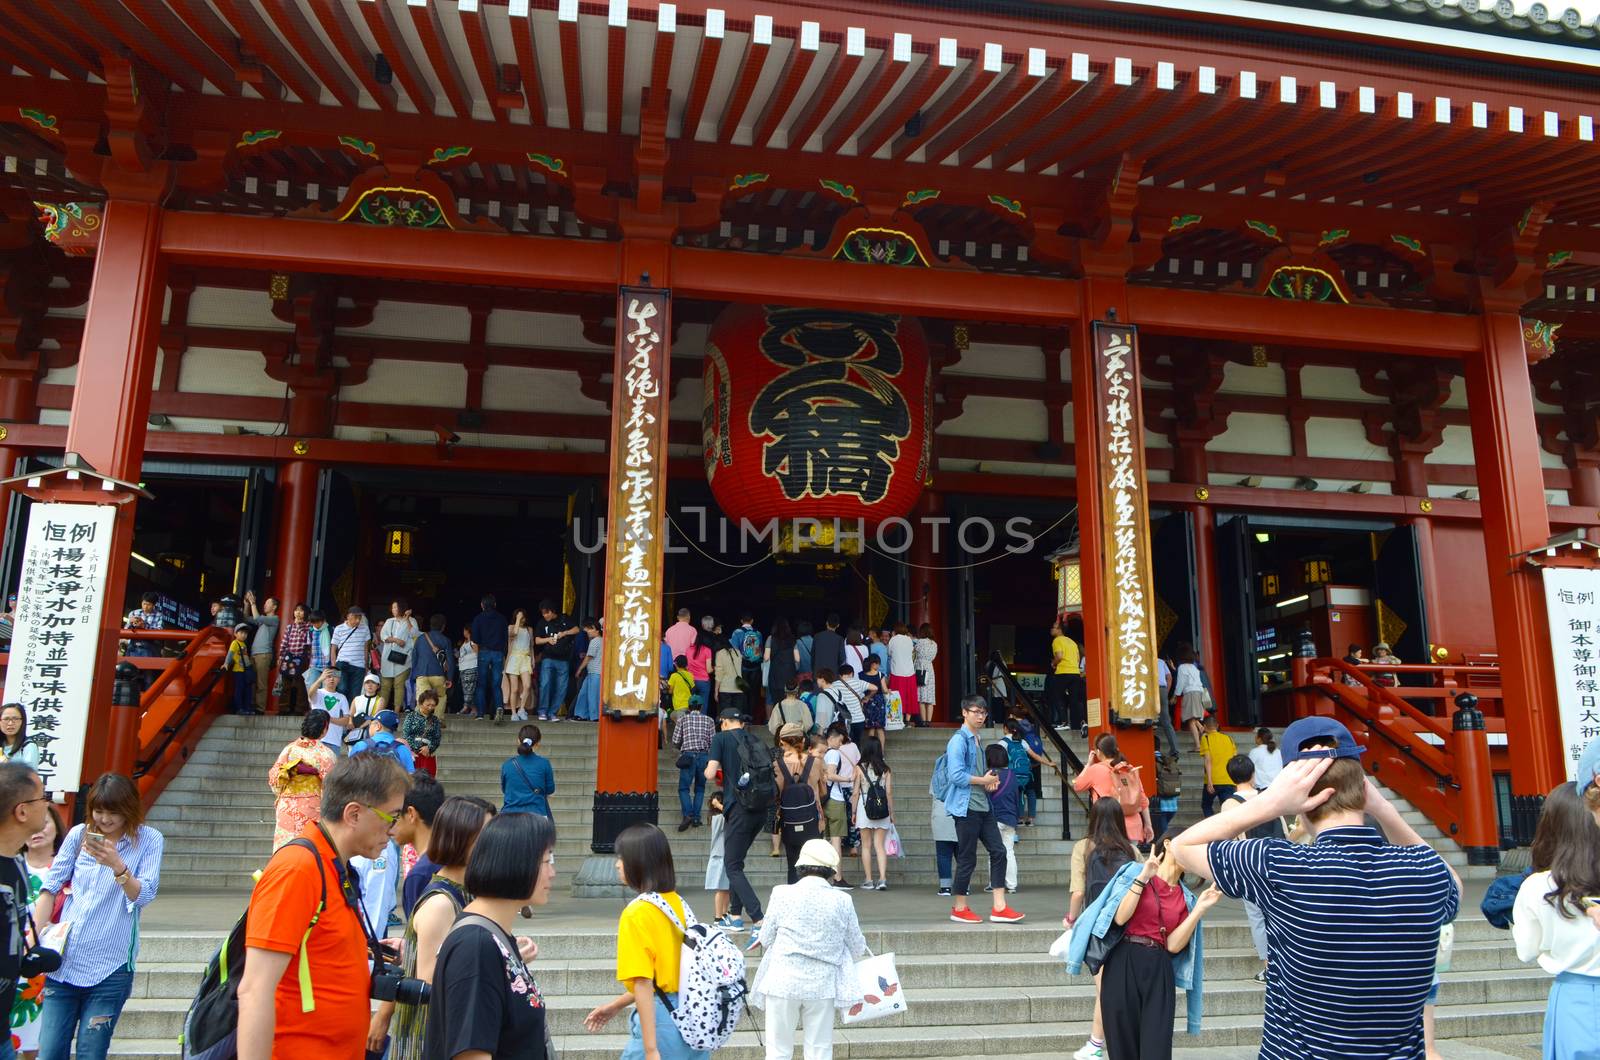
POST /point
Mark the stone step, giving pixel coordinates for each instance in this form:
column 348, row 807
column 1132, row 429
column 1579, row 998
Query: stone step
column 957, row 1007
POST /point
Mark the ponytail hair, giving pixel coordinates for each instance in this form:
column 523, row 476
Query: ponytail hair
column 1264, row 735
column 527, row 738
column 1107, row 746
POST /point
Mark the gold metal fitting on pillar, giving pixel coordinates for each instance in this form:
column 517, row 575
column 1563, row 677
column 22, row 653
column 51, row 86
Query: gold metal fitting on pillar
column 1201, row 493
column 301, row 448
column 1425, row 505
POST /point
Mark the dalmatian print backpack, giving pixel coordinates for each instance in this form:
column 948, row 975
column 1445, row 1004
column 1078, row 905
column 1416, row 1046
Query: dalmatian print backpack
column 711, row 986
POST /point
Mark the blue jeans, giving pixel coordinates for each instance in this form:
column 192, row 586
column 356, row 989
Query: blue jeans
column 350, row 678
column 553, row 677
column 669, row 1043
column 491, row 666
column 703, row 690
column 944, row 852
column 87, row 1012
column 693, row 779
column 6, row 1051
column 587, row 705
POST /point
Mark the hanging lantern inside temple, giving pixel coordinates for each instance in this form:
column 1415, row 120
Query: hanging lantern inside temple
column 816, row 414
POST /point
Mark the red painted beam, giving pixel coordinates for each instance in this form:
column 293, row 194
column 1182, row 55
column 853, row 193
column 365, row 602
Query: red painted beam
column 841, row 68
column 1203, row 314
column 277, row 244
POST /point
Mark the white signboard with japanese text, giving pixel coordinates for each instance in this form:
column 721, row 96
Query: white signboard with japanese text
column 57, row 630
column 1572, row 600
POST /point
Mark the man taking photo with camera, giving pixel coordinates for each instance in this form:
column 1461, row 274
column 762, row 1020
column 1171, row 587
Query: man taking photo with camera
column 23, row 806
column 362, row 799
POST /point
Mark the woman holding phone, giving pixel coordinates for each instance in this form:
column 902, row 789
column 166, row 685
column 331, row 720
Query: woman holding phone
column 113, row 864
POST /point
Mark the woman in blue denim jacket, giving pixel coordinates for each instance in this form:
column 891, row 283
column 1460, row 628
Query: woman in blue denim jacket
column 1148, row 947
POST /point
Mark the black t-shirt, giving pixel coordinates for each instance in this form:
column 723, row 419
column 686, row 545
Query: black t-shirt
column 483, row 999
column 827, row 651
column 561, row 649
column 13, row 927
column 725, row 750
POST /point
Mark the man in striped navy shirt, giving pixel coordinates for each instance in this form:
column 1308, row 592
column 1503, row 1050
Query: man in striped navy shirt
column 1352, row 920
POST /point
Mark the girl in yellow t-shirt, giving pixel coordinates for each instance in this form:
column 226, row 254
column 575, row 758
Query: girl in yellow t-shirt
column 648, row 947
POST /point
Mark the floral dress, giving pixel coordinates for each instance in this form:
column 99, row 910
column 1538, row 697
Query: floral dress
column 923, row 652
column 29, row 1001
column 299, row 793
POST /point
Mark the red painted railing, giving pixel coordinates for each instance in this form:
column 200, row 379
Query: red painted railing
column 1448, row 778
column 187, row 695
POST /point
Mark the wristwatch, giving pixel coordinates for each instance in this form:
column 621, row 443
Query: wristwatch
column 122, row 877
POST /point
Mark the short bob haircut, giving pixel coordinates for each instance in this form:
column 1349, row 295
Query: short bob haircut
column 115, row 793
column 646, row 858
column 456, row 827
column 509, row 855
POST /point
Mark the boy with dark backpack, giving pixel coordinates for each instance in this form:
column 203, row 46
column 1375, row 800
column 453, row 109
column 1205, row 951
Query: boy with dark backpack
column 749, row 791
column 1169, row 785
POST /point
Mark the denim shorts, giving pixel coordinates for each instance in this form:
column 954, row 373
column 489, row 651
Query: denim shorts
column 669, row 1043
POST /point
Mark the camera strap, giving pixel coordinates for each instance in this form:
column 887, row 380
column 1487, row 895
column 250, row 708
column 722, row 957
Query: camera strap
column 352, row 898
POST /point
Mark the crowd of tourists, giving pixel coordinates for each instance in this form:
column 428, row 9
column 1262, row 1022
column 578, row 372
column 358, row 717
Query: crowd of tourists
column 1349, row 908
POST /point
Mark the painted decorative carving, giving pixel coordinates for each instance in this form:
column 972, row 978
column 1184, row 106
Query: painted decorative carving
column 258, row 136
column 1539, row 336
column 880, row 246
column 1306, row 283
column 359, row 146
column 72, row 226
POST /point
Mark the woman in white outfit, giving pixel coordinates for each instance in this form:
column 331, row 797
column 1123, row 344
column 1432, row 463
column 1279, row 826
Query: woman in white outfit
column 810, row 940
column 923, row 651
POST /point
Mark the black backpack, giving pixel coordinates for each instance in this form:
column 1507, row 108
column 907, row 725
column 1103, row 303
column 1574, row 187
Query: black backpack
column 211, row 1026
column 755, row 787
column 797, row 804
column 876, row 803
column 1266, row 830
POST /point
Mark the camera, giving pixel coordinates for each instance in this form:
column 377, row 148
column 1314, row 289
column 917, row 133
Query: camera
column 389, row 983
column 41, row 960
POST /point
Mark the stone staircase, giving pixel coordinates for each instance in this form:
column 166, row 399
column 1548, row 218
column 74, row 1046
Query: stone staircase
column 973, row 991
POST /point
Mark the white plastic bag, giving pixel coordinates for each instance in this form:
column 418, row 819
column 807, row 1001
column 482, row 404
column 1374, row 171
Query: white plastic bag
column 894, row 712
column 891, row 842
column 880, row 988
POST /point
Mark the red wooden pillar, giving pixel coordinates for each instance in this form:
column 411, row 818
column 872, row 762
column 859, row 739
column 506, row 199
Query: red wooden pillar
column 18, row 404
column 1505, row 443
column 297, row 501
column 110, row 404
column 1104, row 298
column 928, row 601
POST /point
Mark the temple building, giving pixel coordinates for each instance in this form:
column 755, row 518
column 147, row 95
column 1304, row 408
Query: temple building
column 1261, row 327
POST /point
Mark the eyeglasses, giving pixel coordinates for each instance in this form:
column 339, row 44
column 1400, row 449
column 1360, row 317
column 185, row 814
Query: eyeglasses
column 389, row 819
column 46, row 797
column 975, row 710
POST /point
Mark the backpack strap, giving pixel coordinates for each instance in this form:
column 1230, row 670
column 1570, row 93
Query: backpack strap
column 307, row 1000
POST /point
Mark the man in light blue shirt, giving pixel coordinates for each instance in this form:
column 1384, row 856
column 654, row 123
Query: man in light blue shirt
column 967, row 786
column 380, row 876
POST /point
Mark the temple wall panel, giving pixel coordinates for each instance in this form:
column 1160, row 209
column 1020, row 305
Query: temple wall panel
column 518, row 327
column 1455, row 447
column 65, row 375
column 508, row 389
column 1333, row 383
column 411, row 383
column 1247, row 379
column 1465, row 621
column 1254, row 432
column 994, row 359
column 417, row 320
column 240, row 373
column 991, row 417
column 1340, row 439
column 231, row 307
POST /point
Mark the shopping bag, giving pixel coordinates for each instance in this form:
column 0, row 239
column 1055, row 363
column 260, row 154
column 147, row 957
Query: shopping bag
column 880, row 988
column 891, row 842
column 894, row 714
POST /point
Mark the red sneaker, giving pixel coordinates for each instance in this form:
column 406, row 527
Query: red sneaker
column 1007, row 915
column 965, row 916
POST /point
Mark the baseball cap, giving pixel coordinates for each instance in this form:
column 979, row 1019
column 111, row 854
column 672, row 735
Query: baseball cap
column 1318, row 728
column 791, row 731
column 388, row 719
column 1589, row 766
column 730, row 715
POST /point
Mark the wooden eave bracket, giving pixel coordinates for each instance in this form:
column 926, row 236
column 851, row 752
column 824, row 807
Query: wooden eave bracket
column 74, row 470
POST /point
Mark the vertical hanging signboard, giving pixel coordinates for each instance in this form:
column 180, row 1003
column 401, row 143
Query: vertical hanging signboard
column 1129, row 603
column 57, row 632
column 1572, row 600
column 630, row 681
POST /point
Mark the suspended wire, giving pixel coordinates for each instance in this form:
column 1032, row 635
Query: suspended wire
column 975, row 563
column 736, row 566
column 719, row 581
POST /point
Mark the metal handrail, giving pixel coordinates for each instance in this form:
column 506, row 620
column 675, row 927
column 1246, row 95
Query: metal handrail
column 1016, row 696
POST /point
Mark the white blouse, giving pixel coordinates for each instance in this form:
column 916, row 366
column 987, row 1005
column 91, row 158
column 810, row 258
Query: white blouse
column 900, row 655
column 1187, row 680
column 810, row 927
column 1560, row 942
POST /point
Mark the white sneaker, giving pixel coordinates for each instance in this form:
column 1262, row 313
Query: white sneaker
column 1090, row 1051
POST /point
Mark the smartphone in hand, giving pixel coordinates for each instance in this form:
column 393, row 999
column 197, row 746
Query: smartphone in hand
column 94, row 837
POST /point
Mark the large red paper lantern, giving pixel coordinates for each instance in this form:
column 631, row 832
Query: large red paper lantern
column 816, row 413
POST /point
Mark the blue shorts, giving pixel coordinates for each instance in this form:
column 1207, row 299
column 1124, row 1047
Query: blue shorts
column 669, row 1043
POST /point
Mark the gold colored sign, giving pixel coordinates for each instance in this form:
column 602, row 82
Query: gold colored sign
column 629, row 680
column 1128, row 603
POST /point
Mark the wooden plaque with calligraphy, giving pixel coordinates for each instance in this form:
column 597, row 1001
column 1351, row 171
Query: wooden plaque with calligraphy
column 1128, row 606
column 631, row 652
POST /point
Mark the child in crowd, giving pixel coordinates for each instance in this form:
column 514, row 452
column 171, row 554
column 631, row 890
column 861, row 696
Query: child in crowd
column 243, row 671
column 1003, row 804
column 1028, row 763
column 1169, row 785
column 1242, row 771
column 649, row 944
column 716, row 868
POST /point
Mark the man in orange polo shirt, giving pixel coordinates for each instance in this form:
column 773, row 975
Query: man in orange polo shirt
column 361, row 800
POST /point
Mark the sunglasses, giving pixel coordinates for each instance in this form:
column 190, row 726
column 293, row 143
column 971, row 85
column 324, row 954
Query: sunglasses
column 388, row 818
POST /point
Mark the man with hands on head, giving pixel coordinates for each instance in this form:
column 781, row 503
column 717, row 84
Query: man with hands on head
column 1352, row 920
